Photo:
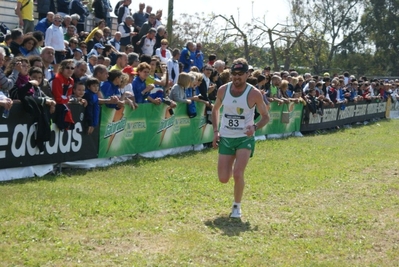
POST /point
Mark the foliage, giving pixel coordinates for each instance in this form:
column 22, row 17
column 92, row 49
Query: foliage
column 380, row 20
column 305, row 204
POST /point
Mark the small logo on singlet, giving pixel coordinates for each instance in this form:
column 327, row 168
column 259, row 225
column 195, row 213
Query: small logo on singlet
column 234, row 101
column 239, row 110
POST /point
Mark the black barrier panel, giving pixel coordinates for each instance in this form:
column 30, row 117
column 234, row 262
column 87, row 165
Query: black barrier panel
column 347, row 114
column 17, row 147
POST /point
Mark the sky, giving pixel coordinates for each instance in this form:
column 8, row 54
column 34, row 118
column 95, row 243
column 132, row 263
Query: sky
column 275, row 11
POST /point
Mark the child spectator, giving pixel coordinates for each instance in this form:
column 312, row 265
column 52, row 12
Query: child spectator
column 78, row 93
column 92, row 112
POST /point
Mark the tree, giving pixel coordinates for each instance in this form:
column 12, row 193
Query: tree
column 381, row 26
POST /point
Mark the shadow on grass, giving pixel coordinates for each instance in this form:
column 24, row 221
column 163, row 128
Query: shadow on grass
column 230, row 226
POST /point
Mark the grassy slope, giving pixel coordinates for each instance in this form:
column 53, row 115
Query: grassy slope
column 326, row 200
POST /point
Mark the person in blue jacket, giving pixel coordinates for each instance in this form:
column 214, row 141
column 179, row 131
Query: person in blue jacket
column 92, row 112
column 44, row 23
column 187, row 56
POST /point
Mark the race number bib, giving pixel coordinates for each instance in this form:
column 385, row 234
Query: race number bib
column 235, row 122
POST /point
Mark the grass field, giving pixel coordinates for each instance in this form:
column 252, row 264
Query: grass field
column 320, row 200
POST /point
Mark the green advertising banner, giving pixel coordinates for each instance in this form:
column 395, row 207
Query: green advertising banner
column 276, row 126
column 151, row 127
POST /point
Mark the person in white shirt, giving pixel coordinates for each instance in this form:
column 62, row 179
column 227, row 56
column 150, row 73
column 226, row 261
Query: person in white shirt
column 55, row 38
column 163, row 52
column 173, row 66
column 147, row 42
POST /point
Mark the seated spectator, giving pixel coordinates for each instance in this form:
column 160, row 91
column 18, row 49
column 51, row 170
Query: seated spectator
column 158, row 17
column 70, row 33
column 97, row 39
column 72, row 45
column 62, row 90
column 121, row 62
column 65, row 23
column 92, row 61
column 7, row 81
column 100, row 26
column 17, row 38
column 39, row 36
column 115, row 41
column 96, row 50
column 28, row 45
column 163, row 52
column 77, row 55
column 43, row 24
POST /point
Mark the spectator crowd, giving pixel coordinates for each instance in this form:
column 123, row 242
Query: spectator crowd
column 48, row 65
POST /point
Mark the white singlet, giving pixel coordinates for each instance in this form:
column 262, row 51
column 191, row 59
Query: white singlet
column 236, row 115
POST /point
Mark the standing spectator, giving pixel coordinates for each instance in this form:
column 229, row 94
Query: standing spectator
column 161, row 34
column 147, row 26
column 158, row 17
column 186, row 56
column 44, row 7
column 100, row 10
column 212, row 59
column 55, row 38
column 62, row 91
column 126, row 30
column 63, row 7
column 163, row 52
column 173, row 66
column 44, row 23
column 76, row 7
column 47, row 56
column 199, row 57
column 79, row 73
column 124, row 11
column 147, row 42
column 92, row 111
column 139, row 17
column 24, row 11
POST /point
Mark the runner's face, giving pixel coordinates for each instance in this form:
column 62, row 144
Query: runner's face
column 239, row 78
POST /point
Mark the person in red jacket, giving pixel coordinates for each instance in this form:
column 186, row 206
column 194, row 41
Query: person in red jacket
column 62, row 90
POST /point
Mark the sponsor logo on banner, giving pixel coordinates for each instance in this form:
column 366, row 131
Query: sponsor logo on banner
column 114, row 128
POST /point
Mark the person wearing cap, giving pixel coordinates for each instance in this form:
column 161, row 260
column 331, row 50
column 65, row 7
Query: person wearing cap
column 128, row 89
column 77, row 55
column 97, row 50
column 235, row 138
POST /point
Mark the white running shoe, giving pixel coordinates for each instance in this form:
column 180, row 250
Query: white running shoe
column 235, row 212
